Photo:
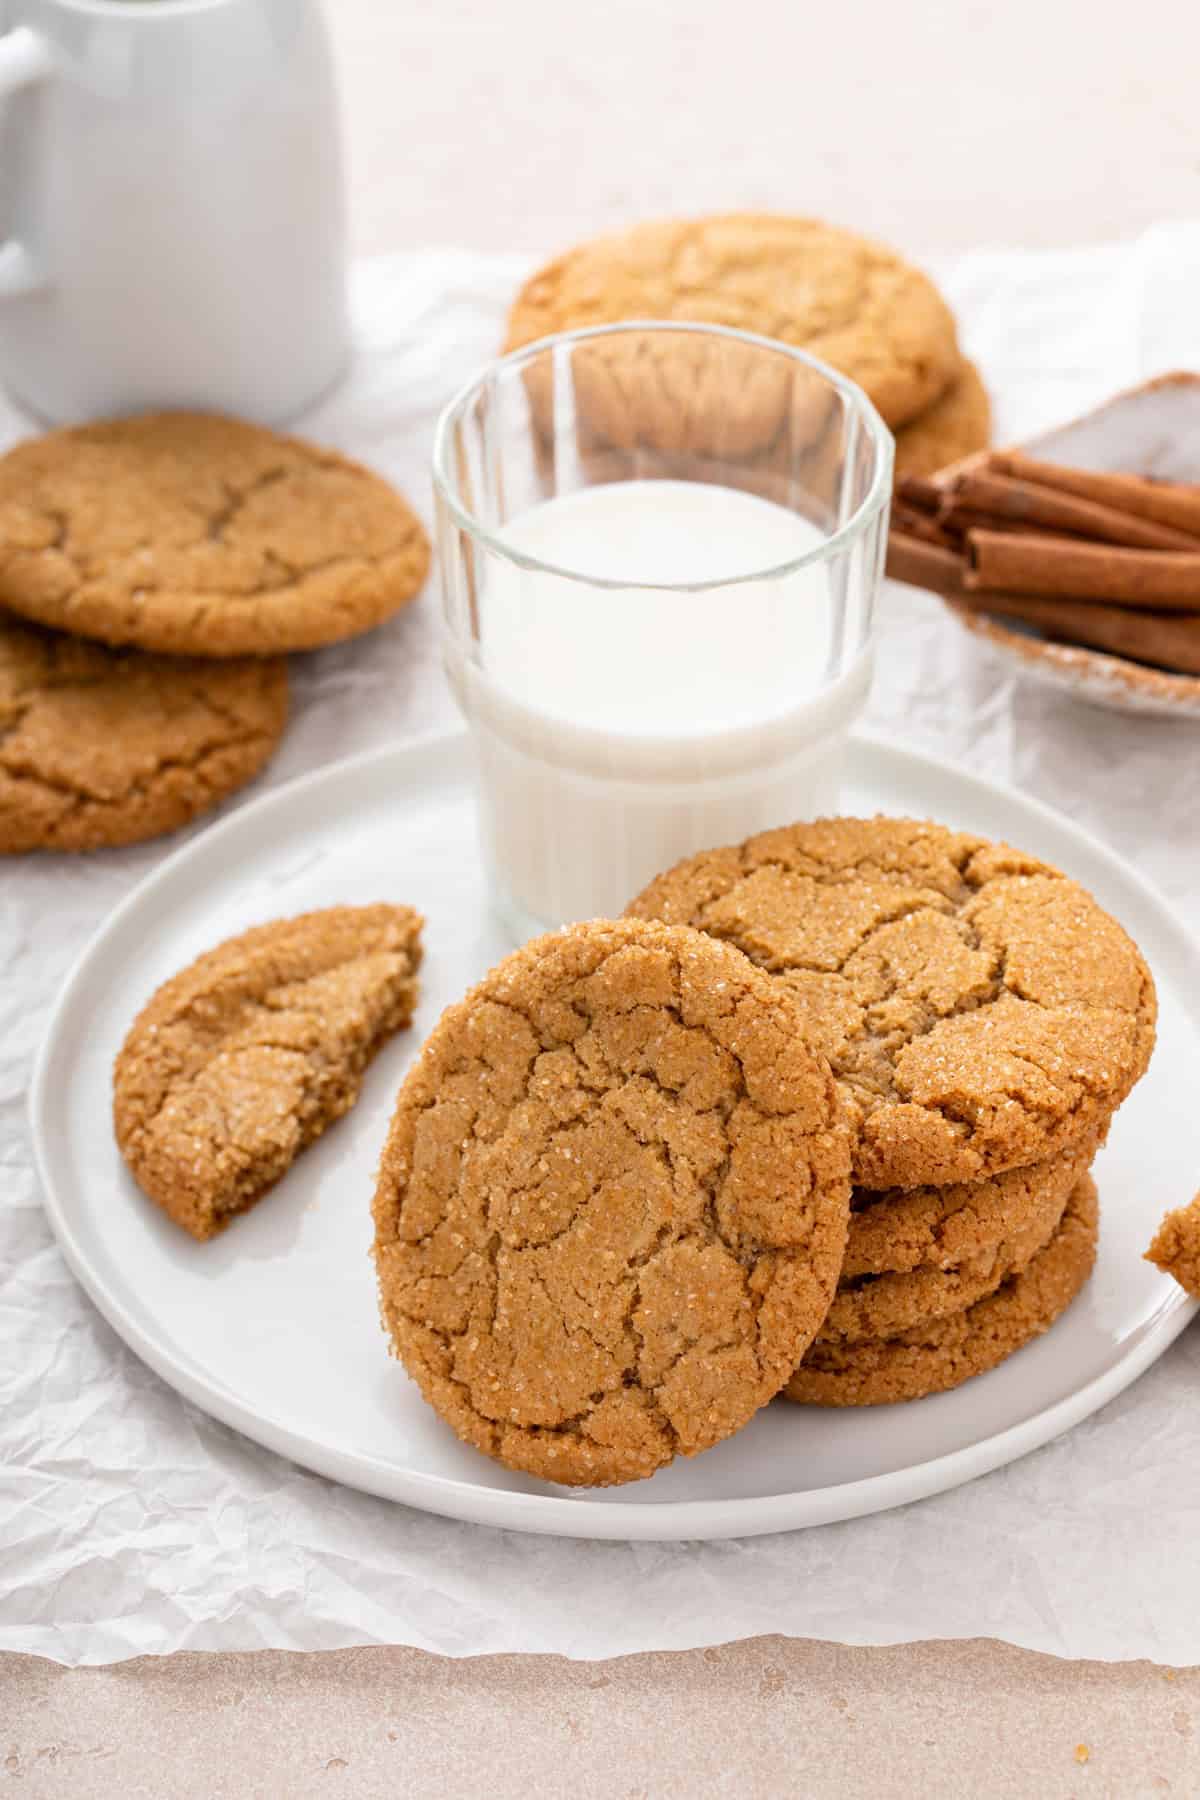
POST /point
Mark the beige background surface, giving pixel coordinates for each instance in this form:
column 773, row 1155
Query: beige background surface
column 524, row 125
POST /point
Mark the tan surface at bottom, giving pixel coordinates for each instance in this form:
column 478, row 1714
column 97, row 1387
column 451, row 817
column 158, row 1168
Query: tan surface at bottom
column 754, row 1720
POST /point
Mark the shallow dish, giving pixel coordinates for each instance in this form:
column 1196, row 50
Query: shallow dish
column 1151, row 430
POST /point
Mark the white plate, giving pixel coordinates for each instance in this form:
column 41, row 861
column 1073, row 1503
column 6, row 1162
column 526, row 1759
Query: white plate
column 273, row 1327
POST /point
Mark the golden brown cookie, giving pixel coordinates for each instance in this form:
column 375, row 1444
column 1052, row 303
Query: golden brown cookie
column 938, row 1228
column 933, row 1358
column 238, row 1063
column 201, row 536
column 855, row 304
column 958, row 423
column 980, row 1010
column 613, row 1197
column 101, row 747
column 1175, row 1248
column 882, row 1306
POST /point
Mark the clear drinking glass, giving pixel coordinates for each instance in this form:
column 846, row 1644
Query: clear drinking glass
column 660, row 547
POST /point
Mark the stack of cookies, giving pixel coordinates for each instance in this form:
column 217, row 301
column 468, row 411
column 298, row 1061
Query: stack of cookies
column 153, row 574
column 816, row 1118
column 855, row 304
column 983, row 1018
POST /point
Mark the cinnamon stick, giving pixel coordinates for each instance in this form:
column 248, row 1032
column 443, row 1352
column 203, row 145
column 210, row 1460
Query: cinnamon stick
column 956, row 520
column 921, row 492
column 1064, row 568
column 918, row 524
column 1167, row 639
column 1167, row 502
column 924, row 565
column 1034, row 504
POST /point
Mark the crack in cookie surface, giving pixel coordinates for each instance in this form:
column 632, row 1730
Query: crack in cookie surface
column 614, row 1192
column 238, row 1063
column 980, row 1010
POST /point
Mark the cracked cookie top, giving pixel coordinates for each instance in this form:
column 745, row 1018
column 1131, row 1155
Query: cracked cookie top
column 612, row 1206
column 199, row 535
column 855, row 304
column 979, row 1009
column 101, row 747
column 241, row 1060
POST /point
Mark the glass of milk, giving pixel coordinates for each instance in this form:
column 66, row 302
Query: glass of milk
column 660, row 548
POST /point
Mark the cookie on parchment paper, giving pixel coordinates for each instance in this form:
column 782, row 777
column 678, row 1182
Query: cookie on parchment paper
column 613, row 1200
column 197, row 535
column 854, row 304
column 102, row 747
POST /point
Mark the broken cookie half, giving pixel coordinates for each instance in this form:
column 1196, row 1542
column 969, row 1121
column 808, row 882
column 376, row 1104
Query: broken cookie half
column 243, row 1059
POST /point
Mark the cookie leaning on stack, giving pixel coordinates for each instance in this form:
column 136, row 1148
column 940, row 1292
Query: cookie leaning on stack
column 984, row 1018
column 175, row 535
column 612, row 1206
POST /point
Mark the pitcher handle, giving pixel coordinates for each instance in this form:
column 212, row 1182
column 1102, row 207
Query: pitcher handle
column 25, row 57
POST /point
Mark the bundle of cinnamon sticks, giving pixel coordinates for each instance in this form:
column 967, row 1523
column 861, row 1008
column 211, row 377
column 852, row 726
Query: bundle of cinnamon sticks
column 1109, row 561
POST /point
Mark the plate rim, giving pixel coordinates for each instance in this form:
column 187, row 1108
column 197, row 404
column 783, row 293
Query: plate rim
column 554, row 1514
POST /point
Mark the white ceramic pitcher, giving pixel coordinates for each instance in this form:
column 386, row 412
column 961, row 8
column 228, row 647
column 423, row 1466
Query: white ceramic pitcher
column 171, row 207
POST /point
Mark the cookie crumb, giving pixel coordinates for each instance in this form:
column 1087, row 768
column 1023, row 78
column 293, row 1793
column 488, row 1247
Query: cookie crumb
column 1175, row 1247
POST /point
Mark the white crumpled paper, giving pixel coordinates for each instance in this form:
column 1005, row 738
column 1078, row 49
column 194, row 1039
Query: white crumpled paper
column 131, row 1523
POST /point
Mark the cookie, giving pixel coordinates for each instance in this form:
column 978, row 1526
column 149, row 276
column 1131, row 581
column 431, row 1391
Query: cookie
column 980, row 1010
column 882, row 1306
column 933, row 1358
column 957, row 424
column 197, row 535
column 902, row 1230
column 101, row 747
column 238, row 1063
column 1175, row 1248
column 613, row 1198
column 854, row 304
